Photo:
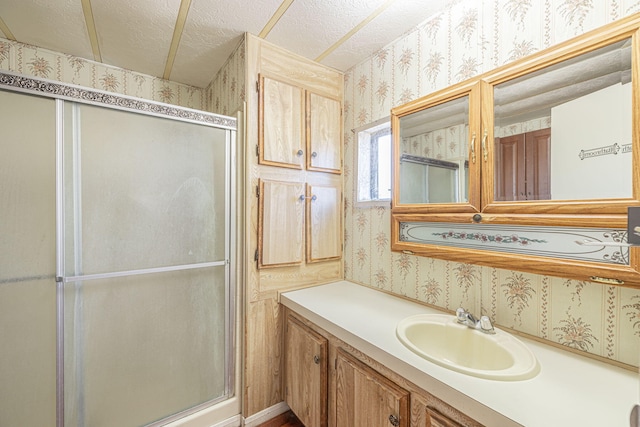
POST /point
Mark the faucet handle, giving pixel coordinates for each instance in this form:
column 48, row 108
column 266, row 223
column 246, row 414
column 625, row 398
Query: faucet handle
column 461, row 314
column 486, row 326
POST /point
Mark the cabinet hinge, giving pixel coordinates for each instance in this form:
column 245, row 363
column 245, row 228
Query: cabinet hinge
column 257, row 150
column 257, row 85
column 255, row 256
column 335, row 364
column 257, row 191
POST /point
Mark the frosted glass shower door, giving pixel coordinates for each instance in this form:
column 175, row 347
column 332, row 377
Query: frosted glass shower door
column 27, row 261
column 146, row 299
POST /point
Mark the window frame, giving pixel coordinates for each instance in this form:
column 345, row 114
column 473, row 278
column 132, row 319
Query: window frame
column 369, row 134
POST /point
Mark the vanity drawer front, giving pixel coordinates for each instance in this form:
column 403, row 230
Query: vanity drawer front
column 436, row 419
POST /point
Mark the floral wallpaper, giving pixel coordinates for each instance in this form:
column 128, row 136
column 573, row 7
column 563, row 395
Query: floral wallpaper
column 38, row 62
column 226, row 92
column 470, row 38
column 442, row 144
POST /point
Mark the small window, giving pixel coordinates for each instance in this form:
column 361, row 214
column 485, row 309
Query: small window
column 374, row 163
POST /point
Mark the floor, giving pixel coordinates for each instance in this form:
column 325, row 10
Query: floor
column 284, row 420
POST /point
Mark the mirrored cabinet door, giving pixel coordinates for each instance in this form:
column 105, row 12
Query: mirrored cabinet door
column 563, row 133
column 437, row 152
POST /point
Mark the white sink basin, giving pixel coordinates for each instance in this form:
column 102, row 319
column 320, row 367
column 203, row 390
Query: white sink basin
column 442, row 340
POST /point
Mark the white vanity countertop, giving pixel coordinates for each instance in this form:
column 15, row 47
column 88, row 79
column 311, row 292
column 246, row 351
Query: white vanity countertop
column 570, row 390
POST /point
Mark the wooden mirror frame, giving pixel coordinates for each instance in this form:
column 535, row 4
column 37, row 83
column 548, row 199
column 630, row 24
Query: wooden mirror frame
column 597, row 213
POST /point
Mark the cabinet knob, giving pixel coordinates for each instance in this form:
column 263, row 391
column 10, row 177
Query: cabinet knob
column 303, row 197
column 299, row 153
column 316, row 359
column 314, row 154
column 394, row 420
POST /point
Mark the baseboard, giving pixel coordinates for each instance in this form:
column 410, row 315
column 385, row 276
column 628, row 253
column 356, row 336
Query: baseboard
column 265, row 415
column 231, row 422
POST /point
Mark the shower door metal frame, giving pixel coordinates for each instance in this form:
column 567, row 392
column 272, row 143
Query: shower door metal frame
column 62, row 93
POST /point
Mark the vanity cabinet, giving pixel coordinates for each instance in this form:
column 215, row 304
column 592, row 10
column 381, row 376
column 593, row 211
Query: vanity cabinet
column 553, row 165
column 298, row 128
column 305, row 373
column 366, row 398
column 298, row 222
column 330, row 383
column 436, row 419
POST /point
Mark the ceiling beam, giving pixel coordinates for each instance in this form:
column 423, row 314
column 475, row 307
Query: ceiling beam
column 6, row 31
column 354, row 30
column 177, row 35
column 91, row 29
column 275, row 18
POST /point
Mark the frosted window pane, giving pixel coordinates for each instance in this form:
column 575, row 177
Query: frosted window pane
column 147, row 191
column 141, row 348
column 27, row 252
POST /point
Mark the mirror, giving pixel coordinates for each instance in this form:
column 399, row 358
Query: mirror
column 565, row 131
column 433, row 146
column 429, row 180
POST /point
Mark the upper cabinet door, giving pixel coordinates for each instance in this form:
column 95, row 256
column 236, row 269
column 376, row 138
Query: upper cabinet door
column 562, row 126
column 438, row 143
column 281, row 124
column 550, row 134
column 298, row 128
column 324, row 230
column 324, row 130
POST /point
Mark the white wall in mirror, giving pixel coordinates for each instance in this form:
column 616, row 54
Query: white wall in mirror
column 590, row 145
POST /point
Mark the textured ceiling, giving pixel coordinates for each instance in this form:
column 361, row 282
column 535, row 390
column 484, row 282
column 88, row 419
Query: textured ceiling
column 187, row 41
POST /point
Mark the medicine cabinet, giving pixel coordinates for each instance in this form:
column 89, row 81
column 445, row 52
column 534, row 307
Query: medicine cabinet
column 550, row 142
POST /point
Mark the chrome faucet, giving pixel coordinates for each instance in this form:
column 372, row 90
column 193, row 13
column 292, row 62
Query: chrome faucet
column 468, row 319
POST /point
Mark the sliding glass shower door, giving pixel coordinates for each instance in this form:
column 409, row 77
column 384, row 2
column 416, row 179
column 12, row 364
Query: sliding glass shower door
column 116, row 258
column 145, row 266
column 27, row 261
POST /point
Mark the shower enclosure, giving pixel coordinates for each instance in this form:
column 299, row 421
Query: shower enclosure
column 116, row 258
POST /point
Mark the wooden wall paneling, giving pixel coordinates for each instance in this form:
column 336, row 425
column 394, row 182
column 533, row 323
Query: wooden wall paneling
column 300, row 71
column 263, row 357
column 276, row 280
column 263, row 325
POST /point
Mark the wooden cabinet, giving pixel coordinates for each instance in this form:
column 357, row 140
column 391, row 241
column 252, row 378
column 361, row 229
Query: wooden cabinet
column 281, row 219
column 305, row 373
column 300, row 218
column 298, row 128
column 329, row 383
column 365, row 398
column 523, row 166
column 324, row 130
column 323, row 231
column 298, row 222
column 534, row 133
column 281, row 118
column 436, row 419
